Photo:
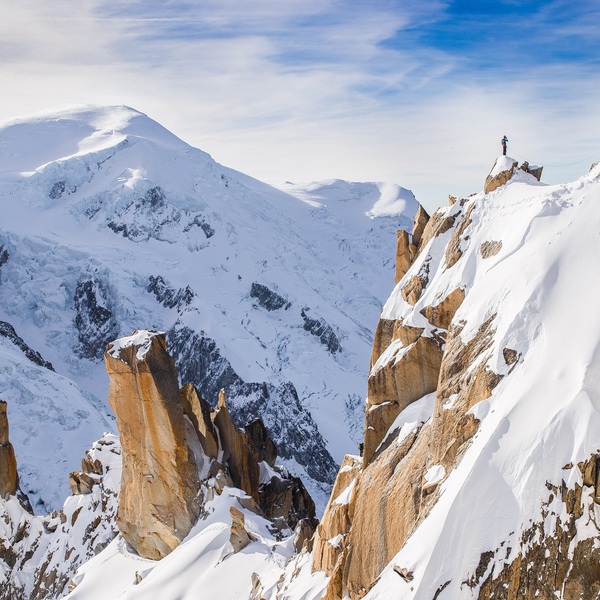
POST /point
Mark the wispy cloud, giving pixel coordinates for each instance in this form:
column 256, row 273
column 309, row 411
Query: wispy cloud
column 413, row 92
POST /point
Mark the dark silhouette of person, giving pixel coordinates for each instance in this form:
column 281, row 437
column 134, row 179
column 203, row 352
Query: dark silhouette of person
column 504, row 143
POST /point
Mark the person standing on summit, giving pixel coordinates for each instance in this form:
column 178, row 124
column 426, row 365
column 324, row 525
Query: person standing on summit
column 504, row 143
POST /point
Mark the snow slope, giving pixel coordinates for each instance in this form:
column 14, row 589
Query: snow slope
column 110, row 224
column 544, row 415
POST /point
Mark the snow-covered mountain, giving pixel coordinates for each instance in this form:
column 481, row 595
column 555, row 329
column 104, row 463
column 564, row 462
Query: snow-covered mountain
column 109, row 223
column 481, row 470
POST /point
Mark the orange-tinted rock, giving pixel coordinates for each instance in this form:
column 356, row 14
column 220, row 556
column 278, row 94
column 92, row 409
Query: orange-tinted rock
column 8, row 461
column 408, row 373
column 332, row 533
column 197, row 410
column 420, row 222
column 403, row 254
column 441, row 314
column 158, row 501
column 493, row 182
column 242, row 457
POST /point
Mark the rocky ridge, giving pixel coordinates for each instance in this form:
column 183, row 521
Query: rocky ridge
column 437, row 372
column 150, row 492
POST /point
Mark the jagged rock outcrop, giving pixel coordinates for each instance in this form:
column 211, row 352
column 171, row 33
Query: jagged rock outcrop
column 285, row 501
column 550, row 563
column 534, row 170
column 40, row 554
column 419, row 224
column 83, row 481
column 243, row 457
column 292, row 428
column 322, row 330
column 167, row 296
column 267, row 298
column 197, row 410
column 94, row 320
column 8, row 461
column 239, row 537
column 8, row 331
column 504, row 169
column 393, row 489
column 403, row 254
column 331, row 538
column 158, row 503
column 259, row 436
column 400, row 376
column 501, row 173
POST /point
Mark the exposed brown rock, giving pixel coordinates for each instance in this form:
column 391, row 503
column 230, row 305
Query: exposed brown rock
column 552, row 564
column 413, row 288
column 510, row 356
column 8, row 461
column 437, row 225
column 536, row 171
column 441, row 314
column 159, row 483
column 243, row 458
column 81, row 483
column 420, row 222
column 397, row 384
column 337, row 517
column 453, row 251
column 198, row 412
column 391, row 496
column 304, row 534
column 489, row 249
column 494, row 182
column 403, row 254
column 239, row 537
column 389, row 330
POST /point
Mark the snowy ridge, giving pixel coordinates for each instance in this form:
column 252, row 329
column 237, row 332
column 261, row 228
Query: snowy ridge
column 544, row 415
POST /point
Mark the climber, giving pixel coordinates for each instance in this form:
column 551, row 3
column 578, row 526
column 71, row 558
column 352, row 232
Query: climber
column 361, row 447
column 504, row 143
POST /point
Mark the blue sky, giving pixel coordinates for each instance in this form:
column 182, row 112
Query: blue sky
column 410, row 92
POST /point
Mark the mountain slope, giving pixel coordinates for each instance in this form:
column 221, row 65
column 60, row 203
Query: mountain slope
column 111, row 223
column 487, row 487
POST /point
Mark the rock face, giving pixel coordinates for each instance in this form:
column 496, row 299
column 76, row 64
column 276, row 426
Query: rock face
column 8, row 462
column 243, row 457
column 420, row 222
column 197, row 410
column 403, row 254
column 378, row 502
column 159, row 499
column 8, row 331
column 239, row 537
column 504, row 169
column 403, row 374
column 500, row 173
column 551, row 561
column 158, row 502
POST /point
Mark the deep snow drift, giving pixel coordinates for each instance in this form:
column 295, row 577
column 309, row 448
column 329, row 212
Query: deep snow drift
column 110, row 224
